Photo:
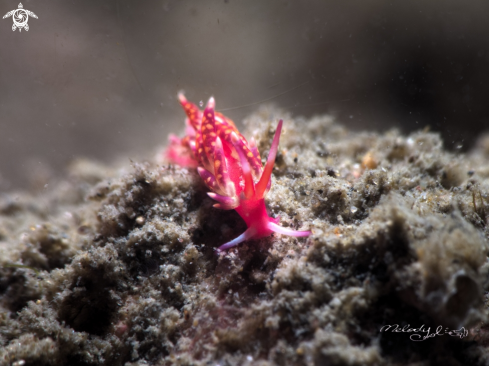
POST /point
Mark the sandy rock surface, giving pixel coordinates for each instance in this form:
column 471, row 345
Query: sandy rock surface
column 117, row 266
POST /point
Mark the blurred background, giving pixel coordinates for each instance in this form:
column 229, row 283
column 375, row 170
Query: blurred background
column 98, row 78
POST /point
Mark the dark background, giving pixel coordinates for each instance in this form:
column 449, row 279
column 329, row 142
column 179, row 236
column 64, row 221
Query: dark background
column 98, row 79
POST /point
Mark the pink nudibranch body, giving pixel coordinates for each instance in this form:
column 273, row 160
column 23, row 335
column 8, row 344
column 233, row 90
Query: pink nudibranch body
column 231, row 168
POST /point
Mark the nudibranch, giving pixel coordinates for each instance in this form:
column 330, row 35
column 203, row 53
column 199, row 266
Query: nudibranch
column 230, row 167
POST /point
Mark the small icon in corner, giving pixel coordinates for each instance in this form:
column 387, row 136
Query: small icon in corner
column 20, row 17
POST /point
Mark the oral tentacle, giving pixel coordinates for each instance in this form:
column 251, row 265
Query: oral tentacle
column 284, row 231
column 262, row 184
column 249, row 233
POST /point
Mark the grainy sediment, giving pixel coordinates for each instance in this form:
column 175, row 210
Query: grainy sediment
column 118, row 266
